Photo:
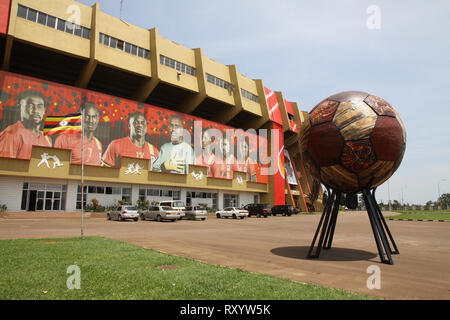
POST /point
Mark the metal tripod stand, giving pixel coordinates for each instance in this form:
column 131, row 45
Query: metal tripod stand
column 379, row 226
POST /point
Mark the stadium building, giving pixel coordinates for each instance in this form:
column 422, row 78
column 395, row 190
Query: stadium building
column 137, row 89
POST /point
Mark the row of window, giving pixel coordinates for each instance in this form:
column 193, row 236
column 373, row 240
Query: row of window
column 175, row 194
column 168, row 62
column 228, row 86
column 124, row 46
column 104, row 190
column 249, row 95
column 53, row 22
column 201, row 195
column 125, row 193
column 218, row 82
column 43, row 186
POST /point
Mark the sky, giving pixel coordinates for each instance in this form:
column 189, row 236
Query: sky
column 310, row 50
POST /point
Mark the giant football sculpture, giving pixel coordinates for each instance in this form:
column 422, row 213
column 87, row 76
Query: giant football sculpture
column 353, row 142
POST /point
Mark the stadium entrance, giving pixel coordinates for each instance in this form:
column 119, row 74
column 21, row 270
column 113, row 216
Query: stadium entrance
column 40, row 197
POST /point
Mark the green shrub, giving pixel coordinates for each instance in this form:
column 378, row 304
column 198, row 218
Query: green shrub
column 143, row 204
column 94, row 206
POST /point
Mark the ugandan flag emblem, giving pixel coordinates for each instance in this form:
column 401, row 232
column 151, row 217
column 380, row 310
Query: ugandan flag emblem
column 62, row 124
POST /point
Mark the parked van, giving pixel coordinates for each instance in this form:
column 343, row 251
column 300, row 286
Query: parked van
column 177, row 205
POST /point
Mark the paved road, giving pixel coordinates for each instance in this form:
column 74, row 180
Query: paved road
column 278, row 246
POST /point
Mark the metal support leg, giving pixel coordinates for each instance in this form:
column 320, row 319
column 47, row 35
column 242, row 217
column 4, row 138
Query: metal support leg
column 332, row 225
column 378, row 231
column 386, row 228
column 326, row 226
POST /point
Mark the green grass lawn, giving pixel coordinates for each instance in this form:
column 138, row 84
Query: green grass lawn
column 111, row 269
column 423, row 215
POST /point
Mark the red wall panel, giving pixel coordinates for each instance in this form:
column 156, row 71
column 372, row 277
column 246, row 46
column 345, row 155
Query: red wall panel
column 274, row 108
column 5, row 8
column 279, row 177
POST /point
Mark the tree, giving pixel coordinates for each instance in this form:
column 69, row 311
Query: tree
column 143, row 204
column 314, row 195
column 95, row 204
column 315, row 191
column 361, row 203
column 444, row 200
column 395, row 205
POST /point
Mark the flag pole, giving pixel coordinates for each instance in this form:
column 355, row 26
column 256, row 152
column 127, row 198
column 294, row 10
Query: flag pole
column 82, row 172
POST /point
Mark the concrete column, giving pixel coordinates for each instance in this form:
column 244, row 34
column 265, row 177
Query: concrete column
column 71, row 197
column 89, row 68
column 147, row 86
column 134, row 193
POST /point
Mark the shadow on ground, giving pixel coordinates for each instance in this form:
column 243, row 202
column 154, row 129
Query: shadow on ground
column 333, row 254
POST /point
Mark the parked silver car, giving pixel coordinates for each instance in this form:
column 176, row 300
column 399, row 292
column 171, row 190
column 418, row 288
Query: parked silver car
column 160, row 213
column 196, row 212
column 122, row 213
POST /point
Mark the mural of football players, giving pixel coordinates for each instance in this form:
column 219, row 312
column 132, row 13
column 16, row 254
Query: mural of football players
column 92, row 146
column 16, row 140
column 175, row 156
column 248, row 165
column 133, row 146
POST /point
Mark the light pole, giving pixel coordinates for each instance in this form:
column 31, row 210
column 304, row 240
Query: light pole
column 403, row 203
column 389, row 197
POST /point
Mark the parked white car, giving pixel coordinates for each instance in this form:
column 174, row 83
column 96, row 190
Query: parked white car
column 122, row 213
column 160, row 213
column 232, row 212
column 175, row 205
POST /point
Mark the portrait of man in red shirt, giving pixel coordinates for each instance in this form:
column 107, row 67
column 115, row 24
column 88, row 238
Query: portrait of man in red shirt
column 247, row 162
column 17, row 140
column 209, row 156
column 225, row 168
column 133, row 146
column 92, row 146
